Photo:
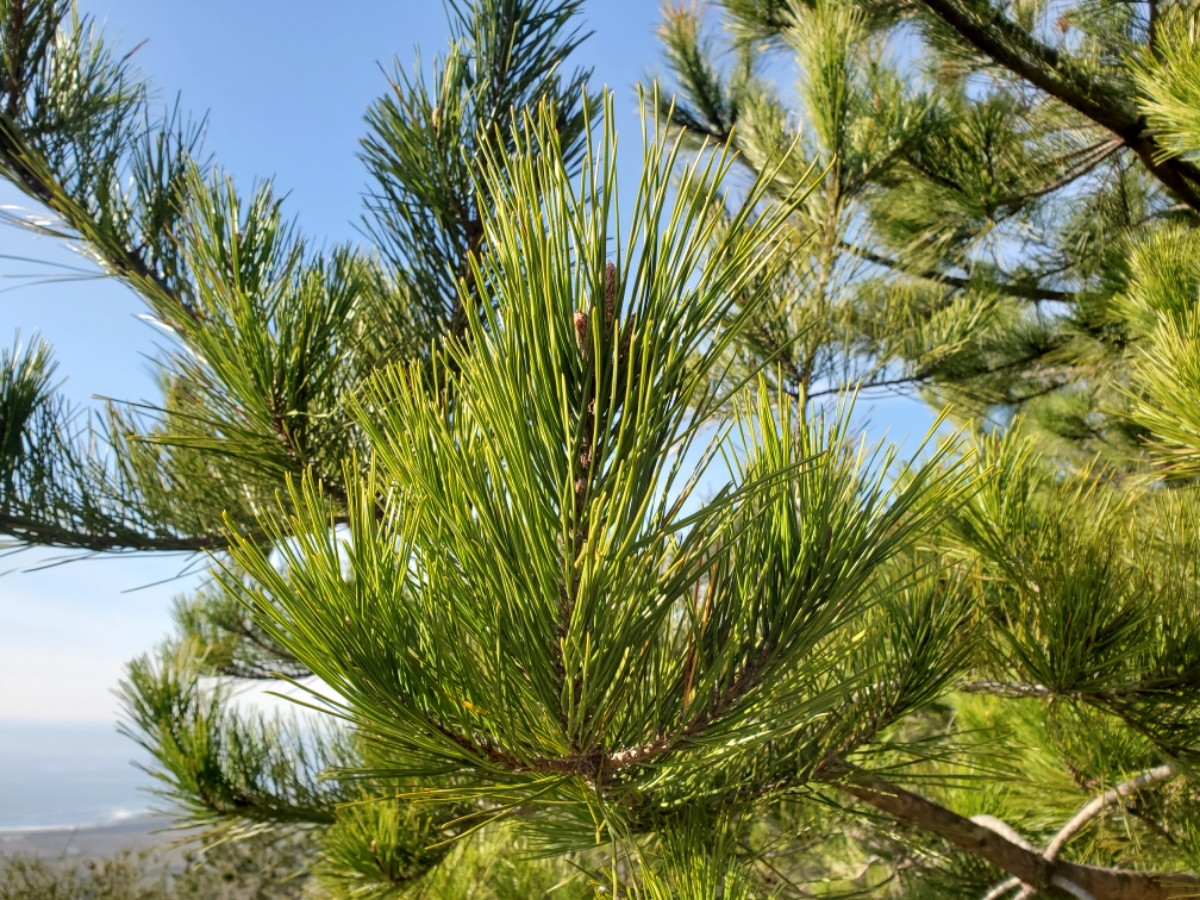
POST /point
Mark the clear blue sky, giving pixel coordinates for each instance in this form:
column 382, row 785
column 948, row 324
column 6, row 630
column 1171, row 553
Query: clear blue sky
column 286, row 85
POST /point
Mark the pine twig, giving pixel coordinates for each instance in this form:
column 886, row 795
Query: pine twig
column 1095, row 806
column 999, row 890
column 1088, row 812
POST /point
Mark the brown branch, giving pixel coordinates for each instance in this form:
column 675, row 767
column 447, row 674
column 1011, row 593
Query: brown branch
column 596, row 766
column 585, row 766
column 1013, row 289
column 1092, row 158
column 1089, row 811
column 16, row 27
column 123, row 262
column 1028, row 865
column 1026, row 689
column 473, row 234
column 722, row 703
column 1095, row 806
column 995, row 36
column 1003, row 888
column 1152, row 20
column 113, row 539
column 864, row 386
column 1005, row 688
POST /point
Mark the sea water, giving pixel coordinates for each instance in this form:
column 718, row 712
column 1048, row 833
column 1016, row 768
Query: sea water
column 69, row 774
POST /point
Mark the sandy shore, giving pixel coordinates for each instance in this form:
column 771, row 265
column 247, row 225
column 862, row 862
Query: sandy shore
column 135, row 833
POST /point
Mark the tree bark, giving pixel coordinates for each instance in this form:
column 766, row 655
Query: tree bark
column 1009, row 46
column 1029, row 865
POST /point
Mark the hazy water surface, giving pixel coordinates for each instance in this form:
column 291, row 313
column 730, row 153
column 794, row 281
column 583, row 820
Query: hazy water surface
column 54, row 774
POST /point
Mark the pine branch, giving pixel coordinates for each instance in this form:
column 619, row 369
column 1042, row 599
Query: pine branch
column 128, row 263
column 1091, row 159
column 1006, row 689
column 1001, row 889
column 226, row 770
column 431, row 143
column 228, row 641
column 1077, row 822
column 990, row 32
column 1097, row 805
column 59, row 488
column 882, row 384
column 1009, row 288
column 77, row 136
column 109, row 537
column 1028, row 865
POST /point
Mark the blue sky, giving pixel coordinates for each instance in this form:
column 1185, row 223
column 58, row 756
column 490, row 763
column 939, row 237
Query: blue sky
column 285, row 85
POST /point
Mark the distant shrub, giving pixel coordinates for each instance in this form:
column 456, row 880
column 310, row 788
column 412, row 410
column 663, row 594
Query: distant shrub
column 493, row 865
column 123, row 877
column 245, row 870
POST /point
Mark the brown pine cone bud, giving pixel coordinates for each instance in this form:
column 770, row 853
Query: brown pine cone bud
column 581, row 332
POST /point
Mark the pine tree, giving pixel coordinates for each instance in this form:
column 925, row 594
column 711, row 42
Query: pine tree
column 991, row 170
column 1004, row 225
column 457, row 477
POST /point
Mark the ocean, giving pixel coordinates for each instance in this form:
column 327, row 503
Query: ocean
column 55, row 775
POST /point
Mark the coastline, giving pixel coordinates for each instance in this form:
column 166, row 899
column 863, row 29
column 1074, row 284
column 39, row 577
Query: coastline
column 136, row 833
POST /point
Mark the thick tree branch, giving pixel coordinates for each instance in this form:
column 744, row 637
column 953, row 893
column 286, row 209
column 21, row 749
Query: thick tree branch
column 1026, row 864
column 1089, row 811
column 991, row 33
